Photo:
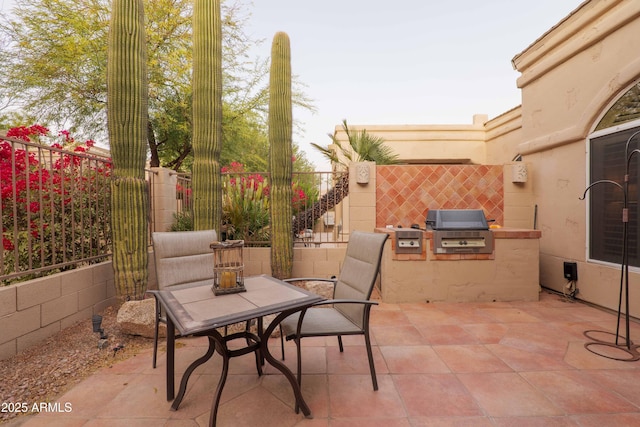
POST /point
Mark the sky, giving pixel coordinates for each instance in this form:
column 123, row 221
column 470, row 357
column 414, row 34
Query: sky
column 405, row 61
column 377, row 62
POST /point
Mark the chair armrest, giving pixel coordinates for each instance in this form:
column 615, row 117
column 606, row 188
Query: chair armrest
column 368, row 304
column 157, row 301
column 310, row 279
column 345, row 301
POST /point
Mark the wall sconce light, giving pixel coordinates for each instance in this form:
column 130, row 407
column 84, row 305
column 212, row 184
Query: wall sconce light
column 362, row 173
column 519, row 172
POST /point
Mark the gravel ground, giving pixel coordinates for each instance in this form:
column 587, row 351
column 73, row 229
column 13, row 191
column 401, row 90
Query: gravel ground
column 44, row 372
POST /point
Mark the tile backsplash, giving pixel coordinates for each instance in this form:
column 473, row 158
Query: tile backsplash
column 405, row 192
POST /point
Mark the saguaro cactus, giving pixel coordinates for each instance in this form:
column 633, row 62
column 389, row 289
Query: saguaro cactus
column 207, row 115
column 280, row 159
column 127, row 126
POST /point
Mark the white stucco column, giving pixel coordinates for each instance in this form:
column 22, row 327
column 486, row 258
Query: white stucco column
column 362, row 198
column 163, row 198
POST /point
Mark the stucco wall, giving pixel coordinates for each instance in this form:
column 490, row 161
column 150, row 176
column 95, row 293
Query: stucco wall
column 503, row 137
column 509, row 274
column 570, row 76
column 430, row 142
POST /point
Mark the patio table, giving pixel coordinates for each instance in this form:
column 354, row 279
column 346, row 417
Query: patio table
column 196, row 310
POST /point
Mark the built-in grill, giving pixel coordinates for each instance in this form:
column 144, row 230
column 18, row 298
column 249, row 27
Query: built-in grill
column 459, row 231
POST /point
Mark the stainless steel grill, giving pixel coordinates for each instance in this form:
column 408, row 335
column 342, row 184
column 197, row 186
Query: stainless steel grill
column 459, row 231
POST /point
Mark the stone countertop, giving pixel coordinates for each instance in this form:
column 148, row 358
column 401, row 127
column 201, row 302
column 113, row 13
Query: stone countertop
column 498, row 233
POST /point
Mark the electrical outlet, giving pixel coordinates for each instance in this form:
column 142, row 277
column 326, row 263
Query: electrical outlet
column 571, row 271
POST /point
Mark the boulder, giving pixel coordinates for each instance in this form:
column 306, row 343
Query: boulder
column 138, row 318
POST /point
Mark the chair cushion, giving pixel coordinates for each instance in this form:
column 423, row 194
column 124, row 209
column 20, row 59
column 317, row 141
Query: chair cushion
column 183, row 256
column 319, row 322
column 359, row 272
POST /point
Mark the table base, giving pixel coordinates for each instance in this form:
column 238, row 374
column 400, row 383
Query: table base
column 255, row 343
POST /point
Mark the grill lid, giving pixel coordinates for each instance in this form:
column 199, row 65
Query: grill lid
column 456, row 219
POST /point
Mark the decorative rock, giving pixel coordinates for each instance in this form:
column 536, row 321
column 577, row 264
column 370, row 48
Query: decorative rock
column 138, row 318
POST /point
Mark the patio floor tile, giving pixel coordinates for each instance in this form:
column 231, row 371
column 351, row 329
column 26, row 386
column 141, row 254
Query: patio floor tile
column 428, row 395
column 507, row 395
column 413, row 360
column 438, row 364
column 352, row 396
column 470, row 358
column 575, row 393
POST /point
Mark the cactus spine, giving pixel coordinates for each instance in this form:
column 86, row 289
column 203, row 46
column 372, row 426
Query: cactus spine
column 127, row 126
column 280, row 159
column 207, row 115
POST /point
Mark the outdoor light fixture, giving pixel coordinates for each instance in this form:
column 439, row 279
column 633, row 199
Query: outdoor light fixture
column 96, row 320
column 362, row 173
column 519, row 172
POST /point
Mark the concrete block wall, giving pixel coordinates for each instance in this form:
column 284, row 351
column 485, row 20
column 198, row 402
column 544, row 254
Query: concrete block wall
column 32, row 311
column 322, row 262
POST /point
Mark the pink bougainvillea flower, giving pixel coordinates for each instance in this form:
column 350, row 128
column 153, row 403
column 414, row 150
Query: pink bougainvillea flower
column 34, row 207
column 7, row 244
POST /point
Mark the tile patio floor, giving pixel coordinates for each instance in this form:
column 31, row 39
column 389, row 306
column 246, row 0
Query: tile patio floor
column 440, row 364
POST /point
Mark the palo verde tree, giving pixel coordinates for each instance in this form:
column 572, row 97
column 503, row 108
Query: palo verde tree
column 280, row 159
column 53, row 59
column 127, row 126
column 207, row 115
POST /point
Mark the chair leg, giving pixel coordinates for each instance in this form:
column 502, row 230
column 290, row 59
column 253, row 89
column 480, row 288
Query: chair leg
column 299, row 370
column 372, row 367
column 340, row 343
column 281, row 341
column 155, row 343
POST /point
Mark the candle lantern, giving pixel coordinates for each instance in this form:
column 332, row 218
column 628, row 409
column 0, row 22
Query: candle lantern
column 228, row 267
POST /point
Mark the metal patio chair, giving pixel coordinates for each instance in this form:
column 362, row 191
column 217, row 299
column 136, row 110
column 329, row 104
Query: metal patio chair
column 181, row 257
column 184, row 258
column 348, row 312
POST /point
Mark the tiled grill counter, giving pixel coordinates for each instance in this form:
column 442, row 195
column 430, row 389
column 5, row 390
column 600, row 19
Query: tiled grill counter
column 510, row 273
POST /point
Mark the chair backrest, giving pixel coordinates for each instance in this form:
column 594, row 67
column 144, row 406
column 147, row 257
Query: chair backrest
column 359, row 272
column 183, row 256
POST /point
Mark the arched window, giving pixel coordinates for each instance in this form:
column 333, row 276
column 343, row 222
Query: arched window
column 626, row 109
column 608, row 161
